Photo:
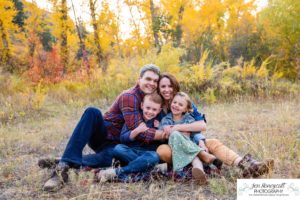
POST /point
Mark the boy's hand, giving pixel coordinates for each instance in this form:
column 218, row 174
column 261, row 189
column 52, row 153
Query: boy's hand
column 156, row 123
column 141, row 128
column 135, row 132
column 202, row 145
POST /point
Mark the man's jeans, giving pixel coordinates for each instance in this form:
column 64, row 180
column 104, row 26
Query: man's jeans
column 90, row 130
column 139, row 160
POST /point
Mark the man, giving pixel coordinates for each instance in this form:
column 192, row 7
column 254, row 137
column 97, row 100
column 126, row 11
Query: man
column 102, row 133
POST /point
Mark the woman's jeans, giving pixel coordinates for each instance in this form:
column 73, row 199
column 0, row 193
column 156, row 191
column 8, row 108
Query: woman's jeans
column 91, row 130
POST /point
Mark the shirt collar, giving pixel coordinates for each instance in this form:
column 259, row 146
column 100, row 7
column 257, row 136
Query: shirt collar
column 139, row 91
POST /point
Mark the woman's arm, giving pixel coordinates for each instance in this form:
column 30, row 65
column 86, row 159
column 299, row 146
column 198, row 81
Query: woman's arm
column 197, row 126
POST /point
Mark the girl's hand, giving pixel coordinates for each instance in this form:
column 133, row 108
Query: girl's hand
column 203, row 146
column 175, row 128
column 156, row 123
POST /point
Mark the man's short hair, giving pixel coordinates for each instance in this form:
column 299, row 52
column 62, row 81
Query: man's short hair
column 156, row 98
column 149, row 67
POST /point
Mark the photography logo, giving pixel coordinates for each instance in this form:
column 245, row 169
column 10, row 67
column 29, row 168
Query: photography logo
column 268, row 189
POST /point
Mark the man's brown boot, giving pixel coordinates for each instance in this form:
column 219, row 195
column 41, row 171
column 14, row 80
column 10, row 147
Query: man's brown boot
column 58, row 177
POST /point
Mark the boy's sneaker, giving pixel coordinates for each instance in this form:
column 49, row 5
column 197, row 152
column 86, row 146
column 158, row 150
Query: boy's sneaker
column 199, row 175
column 58, row 178
column 163, row 168
column 106, row 175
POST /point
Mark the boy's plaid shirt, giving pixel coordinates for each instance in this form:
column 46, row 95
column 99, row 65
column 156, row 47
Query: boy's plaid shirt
column 126, row 110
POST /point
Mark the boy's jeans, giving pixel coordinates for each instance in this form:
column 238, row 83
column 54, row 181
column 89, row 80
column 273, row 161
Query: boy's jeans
column 90, row 130
column 139, row 159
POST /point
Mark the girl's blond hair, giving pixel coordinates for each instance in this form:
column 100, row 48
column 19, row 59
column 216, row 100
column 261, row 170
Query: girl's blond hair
column 188, row 100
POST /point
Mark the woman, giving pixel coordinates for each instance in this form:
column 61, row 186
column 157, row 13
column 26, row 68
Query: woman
column 168, row 86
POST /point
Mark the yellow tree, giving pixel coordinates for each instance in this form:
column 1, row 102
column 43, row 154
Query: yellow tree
column 140, row 21
column 240, row 28
column 202, row 26
column 174, row 11
column 7, row 27
column 281, row 28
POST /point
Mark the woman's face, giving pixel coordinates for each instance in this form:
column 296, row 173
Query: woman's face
column 166, row 88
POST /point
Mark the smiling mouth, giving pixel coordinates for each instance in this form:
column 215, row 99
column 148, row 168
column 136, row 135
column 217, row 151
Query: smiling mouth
column 174, row 109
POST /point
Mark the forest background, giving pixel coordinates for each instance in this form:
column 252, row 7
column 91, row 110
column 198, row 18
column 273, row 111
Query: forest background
column 54, row 66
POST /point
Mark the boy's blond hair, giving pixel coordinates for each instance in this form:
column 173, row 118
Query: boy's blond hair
column 188, row 100
column 156, row 98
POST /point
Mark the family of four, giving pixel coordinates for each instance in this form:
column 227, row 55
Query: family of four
column 151, row 123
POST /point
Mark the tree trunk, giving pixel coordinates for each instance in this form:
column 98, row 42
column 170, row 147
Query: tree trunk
column 5, row 55
column 155, row 26
column 101, row 59
column 178, row 30
column 64, row 51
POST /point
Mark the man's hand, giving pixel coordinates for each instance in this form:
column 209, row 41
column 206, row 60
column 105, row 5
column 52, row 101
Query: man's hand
column 203, row 146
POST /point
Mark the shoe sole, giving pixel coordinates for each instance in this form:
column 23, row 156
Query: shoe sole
column 48, row 163
column 199, row 176
column 265, row 169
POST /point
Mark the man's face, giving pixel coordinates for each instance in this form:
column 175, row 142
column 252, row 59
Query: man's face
column 148, row 82
column 150, row 109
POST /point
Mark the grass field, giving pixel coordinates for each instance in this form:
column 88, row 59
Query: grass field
column 264, row 128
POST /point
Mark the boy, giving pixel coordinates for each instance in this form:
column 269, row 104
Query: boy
column 130, row 150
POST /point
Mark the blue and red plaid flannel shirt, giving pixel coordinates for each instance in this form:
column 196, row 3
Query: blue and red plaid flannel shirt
column 126, row 110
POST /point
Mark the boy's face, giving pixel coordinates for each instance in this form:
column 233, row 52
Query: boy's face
column 150, row 109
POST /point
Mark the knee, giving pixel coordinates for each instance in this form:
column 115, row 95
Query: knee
column 152, row 157
column 120, row 149
column 165, row 153
column 212, row 144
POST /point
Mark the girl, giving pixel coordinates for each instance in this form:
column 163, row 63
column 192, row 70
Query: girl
column 184, row 150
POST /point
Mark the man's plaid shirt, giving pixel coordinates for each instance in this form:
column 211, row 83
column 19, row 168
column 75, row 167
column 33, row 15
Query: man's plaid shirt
column 127, row 110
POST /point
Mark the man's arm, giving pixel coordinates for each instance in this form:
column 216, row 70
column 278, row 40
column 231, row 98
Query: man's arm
column 125, row 135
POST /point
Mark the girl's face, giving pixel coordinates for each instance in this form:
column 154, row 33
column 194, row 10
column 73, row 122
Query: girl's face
column 166, row 88
column 179, row 105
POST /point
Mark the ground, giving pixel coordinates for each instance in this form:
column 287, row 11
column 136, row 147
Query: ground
column 266, row 128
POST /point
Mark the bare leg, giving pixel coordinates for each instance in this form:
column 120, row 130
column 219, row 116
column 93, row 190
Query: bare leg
column 198, row 171
column 206, row 157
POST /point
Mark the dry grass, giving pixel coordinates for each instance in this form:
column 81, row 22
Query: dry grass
column 265, row 128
